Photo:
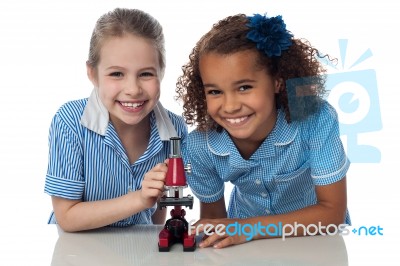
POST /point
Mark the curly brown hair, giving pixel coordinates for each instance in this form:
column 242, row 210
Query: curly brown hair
column 228, row 36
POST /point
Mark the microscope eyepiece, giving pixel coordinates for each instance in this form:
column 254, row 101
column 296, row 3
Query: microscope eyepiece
column 175, row 147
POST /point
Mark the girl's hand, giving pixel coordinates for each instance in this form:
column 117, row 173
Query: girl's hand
column 215, row 232
column 153, row 185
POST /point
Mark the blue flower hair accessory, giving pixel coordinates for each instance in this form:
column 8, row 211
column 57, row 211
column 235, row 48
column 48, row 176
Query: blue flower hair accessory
column 269, row 34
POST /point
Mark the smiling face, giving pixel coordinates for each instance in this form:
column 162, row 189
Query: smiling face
column 127, row 78
column 240, row 95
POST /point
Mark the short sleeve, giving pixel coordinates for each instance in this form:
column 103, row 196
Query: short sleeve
column 204, row 181
column 329, row 162
column 65, row 162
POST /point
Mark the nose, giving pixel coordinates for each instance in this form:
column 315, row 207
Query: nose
column 133, row 86
column 231, row 104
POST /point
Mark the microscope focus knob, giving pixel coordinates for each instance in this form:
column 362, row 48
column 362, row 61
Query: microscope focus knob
column 188, row 168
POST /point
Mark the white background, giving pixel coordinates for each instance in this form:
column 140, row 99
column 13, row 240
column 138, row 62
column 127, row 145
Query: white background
column 44, row 46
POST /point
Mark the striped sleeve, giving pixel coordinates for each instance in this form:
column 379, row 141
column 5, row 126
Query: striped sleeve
column 64, row 176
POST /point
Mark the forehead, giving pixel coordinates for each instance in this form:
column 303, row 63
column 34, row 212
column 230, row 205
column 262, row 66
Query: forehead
column 238, row 63
column 128, row 48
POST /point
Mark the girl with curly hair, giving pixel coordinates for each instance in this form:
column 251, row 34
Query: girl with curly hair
column 255, row 95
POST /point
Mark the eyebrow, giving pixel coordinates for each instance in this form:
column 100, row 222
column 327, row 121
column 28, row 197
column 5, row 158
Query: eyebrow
column 114, row 67
column 242, row 81
column 209, row 85
column 142, row 69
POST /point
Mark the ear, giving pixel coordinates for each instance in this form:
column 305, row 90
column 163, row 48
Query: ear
column 278, row 85
column 92, row 74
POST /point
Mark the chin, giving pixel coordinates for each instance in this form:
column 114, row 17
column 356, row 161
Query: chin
column 239, row 135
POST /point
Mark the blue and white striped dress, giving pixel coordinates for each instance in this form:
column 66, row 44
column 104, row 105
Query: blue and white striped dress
column 89, row 163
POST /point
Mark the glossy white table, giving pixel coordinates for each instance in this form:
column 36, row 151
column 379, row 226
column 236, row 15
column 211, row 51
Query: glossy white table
column 137, row 245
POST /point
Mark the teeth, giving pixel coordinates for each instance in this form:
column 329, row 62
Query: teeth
column 132, row 105
column 236, row 120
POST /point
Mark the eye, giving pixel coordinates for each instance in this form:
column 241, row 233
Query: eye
column 213, row 92
column 244, row 88
column 146, row 74
column 117, row 74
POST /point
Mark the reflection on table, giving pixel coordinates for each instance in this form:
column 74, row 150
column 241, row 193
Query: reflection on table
column 137, row 245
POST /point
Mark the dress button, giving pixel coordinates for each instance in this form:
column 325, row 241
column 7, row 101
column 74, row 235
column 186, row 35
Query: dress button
column 258, row 181
column 267, row 211
column 264, row 195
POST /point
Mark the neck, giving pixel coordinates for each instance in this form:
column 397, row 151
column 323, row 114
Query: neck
column 134, row 138
column 248, row 146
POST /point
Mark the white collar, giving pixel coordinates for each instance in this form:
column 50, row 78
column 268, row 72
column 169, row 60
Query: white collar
column 95, row 117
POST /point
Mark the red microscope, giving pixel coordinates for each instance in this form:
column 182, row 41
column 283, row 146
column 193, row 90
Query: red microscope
column 176, row 229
